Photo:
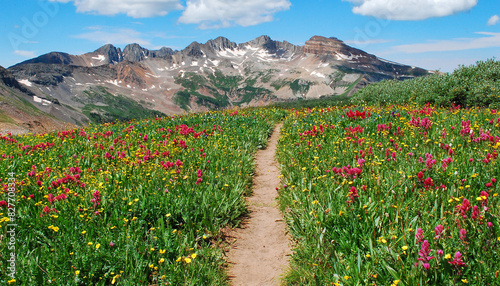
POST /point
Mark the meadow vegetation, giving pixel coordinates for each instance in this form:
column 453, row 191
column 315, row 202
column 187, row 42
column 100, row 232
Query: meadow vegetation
column 133, row 203
column 399, row 188
column 468, row 86
column 394, row 195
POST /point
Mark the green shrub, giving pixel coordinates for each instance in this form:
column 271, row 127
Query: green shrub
column 475, row 85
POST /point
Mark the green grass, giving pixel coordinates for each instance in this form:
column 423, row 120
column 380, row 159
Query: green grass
column 221, row 87
column 102, row 106
column 226, row 83
column 5, row 118
column 182, row 99
column 370, row 238
column 154, row 222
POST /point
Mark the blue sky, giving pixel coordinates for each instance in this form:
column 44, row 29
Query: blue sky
column 433, row 34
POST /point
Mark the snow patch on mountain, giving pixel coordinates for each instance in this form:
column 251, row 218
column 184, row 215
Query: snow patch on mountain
column 26, row 82
column 113, row 82
column 100, row 58
column 315, row 73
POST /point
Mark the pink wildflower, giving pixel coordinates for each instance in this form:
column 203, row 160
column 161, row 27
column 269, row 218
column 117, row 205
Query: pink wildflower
column 463, row 234
column 475, row 212
column 424, row 255
column 420, row 235
column 457, row 260
column 438, row 230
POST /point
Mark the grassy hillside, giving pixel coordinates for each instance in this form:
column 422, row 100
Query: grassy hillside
column 475, row 85
column 102, row 106
column 220, row 87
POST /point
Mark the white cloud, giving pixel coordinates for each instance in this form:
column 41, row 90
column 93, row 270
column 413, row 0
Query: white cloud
column 26, row 54
column 132, row 8
column 493, row 20
column 226, row 13
column 489, row 40
column 115, row 36
column 410, row 9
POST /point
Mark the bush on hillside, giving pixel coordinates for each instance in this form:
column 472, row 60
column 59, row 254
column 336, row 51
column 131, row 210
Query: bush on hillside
column 475, row 85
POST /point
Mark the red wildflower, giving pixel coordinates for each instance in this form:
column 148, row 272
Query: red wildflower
column 424, row 255
column 428, row 183
column 420, row 235
column 463, row 234
column 438, row 230
column 51, row 198
column 96, row 198
column 475, row 212
column 457, row 260
column 420, row 176
column 353, row 193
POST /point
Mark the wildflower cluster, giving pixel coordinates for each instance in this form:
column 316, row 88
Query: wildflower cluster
column 404, row 193
column 120, row 203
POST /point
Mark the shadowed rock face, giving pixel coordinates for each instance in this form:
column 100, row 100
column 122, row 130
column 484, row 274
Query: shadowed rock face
column 216, row 74
column 134, row 53
column 43, row 74
column 193, row 50
column 220, row 44
column 8, row 79
column 110, row 52
column 18, row 115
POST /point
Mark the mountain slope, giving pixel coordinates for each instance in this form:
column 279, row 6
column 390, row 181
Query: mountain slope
column 216, row 74
column 17, row 114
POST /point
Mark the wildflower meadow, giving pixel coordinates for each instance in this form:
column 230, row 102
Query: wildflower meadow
column 136, row 203
column 384, row 192
column 394, row 195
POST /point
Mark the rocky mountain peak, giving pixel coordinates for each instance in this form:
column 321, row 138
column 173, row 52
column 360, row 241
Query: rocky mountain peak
column 321, row 45
column 221, row 43
column 134, row 53
column 105, row 49
column 164, row 51
column 51, row 58
column 193, row 50
column 260, row 41
column 112, row 53
column 277, row 48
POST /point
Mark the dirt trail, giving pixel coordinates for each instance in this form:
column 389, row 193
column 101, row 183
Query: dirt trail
column 260, row 252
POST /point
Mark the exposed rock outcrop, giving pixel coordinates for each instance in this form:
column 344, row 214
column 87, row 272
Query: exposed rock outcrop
column 112, row 54
column 319, row 45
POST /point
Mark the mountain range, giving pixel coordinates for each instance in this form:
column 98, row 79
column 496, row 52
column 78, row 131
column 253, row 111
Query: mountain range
column 110, row 83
